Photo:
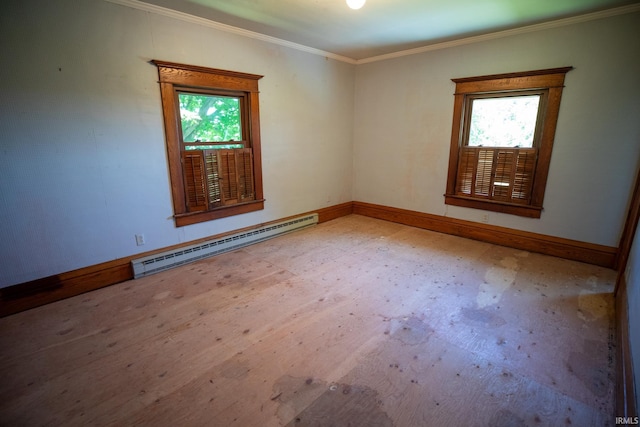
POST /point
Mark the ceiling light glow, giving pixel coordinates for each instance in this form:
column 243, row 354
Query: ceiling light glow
column 355, row 4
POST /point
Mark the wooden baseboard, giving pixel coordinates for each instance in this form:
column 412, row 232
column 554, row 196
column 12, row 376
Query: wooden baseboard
column 35, row 293
column 564, row 248
column 625, row 384
column 336, row 211
column 24, row 296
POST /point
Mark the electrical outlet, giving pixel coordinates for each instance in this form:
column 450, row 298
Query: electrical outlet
column 485, row 218
column 139, row 239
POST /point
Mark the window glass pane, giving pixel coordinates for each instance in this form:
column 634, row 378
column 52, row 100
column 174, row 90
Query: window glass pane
column 209, row 118
column 503, row 122
column 213, row 147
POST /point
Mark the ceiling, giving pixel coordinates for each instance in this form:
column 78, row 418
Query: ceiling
column 382, row 26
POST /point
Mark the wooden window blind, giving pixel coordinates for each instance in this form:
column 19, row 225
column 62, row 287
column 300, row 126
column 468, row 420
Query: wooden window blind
column 194, row 181
column 215, row 178
column 214, row 192
column 502, row 174
column 503, row 178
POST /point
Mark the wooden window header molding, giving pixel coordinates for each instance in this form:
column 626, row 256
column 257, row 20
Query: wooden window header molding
column 559, row 70
column 553, row 77
column 208, row 184
column 193, row 75
column 500, row 179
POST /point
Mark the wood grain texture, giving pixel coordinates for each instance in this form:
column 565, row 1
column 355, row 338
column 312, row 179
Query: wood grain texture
column 24, row 296
column 579, row 251
column 356, row 321
column 193, row 75
column 553, row 77
column 231, row 210
column 53, row 288
column 629, row 232
column 548, row 85
column 625, row 378
column 493, row 206
column 175, row 77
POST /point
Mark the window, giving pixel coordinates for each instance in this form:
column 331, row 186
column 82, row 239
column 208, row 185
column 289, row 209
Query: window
column 501, row 142
column 212, row 129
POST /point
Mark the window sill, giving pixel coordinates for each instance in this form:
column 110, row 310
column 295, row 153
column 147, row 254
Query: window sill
column 222, row 212
column 494, row 206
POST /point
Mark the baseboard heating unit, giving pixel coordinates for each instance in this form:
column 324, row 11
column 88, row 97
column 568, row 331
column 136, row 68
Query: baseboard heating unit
column 166, row 260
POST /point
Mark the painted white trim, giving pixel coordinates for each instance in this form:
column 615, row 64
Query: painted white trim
column 506, row 33
column 136, row 4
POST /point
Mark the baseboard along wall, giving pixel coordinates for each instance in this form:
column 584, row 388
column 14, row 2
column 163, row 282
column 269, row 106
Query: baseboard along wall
column 604, row 256
column 35, row 293
column 625, row 391
column 24, row 296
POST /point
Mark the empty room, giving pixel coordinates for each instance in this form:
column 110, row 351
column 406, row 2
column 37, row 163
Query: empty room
column 319, row 213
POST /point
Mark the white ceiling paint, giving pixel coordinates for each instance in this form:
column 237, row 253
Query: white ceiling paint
column 382, row 27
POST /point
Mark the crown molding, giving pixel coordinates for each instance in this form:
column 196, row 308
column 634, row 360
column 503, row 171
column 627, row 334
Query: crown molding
column 159, row 10
column 136, row 4
column 506, row 33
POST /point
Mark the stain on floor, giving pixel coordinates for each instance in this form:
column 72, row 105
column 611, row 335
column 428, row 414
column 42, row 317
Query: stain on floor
column 337, row 405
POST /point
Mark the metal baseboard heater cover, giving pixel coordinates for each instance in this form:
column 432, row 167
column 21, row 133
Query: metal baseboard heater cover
column 166, row 260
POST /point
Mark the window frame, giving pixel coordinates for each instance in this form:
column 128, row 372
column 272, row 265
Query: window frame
column 468, row 111
column 175, row 78
column 244, row 116
column 548, row 81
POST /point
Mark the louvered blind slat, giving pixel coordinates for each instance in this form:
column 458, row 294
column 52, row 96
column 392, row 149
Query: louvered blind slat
column 501, row 174
column 502, row 178
column 194, row 180
column 228, row 177
column 484, row 169
column 213, row 178
column 523, row 176
column 244, row 158
column 466, row 171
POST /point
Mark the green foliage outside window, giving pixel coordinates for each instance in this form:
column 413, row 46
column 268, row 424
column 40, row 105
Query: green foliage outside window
column 210, row 118
column 503, row 121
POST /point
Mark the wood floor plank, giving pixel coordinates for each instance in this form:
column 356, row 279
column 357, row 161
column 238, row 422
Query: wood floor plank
column 356, row 321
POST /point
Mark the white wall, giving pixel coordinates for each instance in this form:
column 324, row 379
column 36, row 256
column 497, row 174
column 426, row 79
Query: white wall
column 83, row 165
column 404, row 111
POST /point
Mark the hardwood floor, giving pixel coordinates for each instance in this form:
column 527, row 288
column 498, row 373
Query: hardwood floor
column 354, row 322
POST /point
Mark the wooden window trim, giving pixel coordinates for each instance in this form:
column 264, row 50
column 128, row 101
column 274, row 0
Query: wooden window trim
column 173, row 77
column 552, row 82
